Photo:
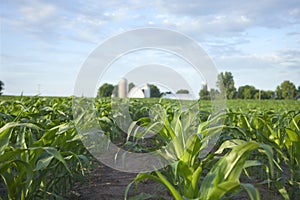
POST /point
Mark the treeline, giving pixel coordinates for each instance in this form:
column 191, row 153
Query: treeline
column 226, row 87
column 1, row 87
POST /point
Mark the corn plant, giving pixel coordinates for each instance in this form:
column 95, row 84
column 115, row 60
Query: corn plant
column 276, row 130
column 40, row 152
column 183, row 177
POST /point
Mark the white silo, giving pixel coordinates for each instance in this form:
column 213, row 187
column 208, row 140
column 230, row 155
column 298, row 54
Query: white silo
column 204, row 85
column 122, row 91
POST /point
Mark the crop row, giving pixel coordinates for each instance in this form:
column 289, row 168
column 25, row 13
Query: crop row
column 256, row 144
column 40, row 152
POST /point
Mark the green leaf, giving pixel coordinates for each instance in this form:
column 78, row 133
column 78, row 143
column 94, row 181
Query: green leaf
column 229, row 144
column 5, row 133
column 223, row 188
column 227, row 169
column 57, row 155
column 5, row 136
column 251, row 190
column 14, row 184
column 252, row 163
column 293, row 136
column 269, row 152
column 171, row 188
column 295, row 123
column 43, row 163
column 280, row 187
column 139, row 178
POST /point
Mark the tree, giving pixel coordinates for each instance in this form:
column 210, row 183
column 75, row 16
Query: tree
column 115, row 92
column 204, row 93
column 246, row 92
column 1, row 87
column 264, row 94
column 182, row 91
column 165, row 93
column 105, row 90
column 226, row 85
column 268, row 94
column 298, row 92
column 286, row 90
column 130, row 86
column 214, row 93
column 154, row 91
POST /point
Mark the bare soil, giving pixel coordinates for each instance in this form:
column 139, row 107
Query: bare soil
column 106, row 183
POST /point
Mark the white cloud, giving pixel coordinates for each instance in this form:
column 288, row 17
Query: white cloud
column 289, row 58
column 263, row 71
column 199, row 19
column 224, row 28
column 285, row 59
column 221, row 17
column 37, row 11
column 90, row 20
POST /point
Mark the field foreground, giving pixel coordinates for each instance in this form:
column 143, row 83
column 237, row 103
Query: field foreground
column 256, row 155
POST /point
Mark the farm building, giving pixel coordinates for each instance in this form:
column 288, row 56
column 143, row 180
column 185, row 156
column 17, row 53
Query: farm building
column 135, row 92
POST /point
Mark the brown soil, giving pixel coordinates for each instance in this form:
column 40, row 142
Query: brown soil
column 106, row 183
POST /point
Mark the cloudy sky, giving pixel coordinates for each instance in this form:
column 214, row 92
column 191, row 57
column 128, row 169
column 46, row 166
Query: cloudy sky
column 44, row 43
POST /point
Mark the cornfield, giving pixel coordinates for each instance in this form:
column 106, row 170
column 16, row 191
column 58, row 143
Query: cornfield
column 40, row 152
column 258, row 150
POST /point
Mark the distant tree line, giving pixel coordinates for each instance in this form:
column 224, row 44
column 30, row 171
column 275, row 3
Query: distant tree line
column 1, row 87
column 226, row 88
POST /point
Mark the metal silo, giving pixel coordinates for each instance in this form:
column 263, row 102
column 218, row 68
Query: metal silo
column 122, row 93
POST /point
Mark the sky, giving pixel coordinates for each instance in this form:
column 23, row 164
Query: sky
column 44, row 43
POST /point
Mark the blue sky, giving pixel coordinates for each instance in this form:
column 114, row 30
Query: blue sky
column 45, row 43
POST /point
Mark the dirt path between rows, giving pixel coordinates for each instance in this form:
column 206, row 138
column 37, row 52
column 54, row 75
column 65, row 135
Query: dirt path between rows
column 106, row 183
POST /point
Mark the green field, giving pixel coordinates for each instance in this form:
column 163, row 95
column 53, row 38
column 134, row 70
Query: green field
column 257, row 153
